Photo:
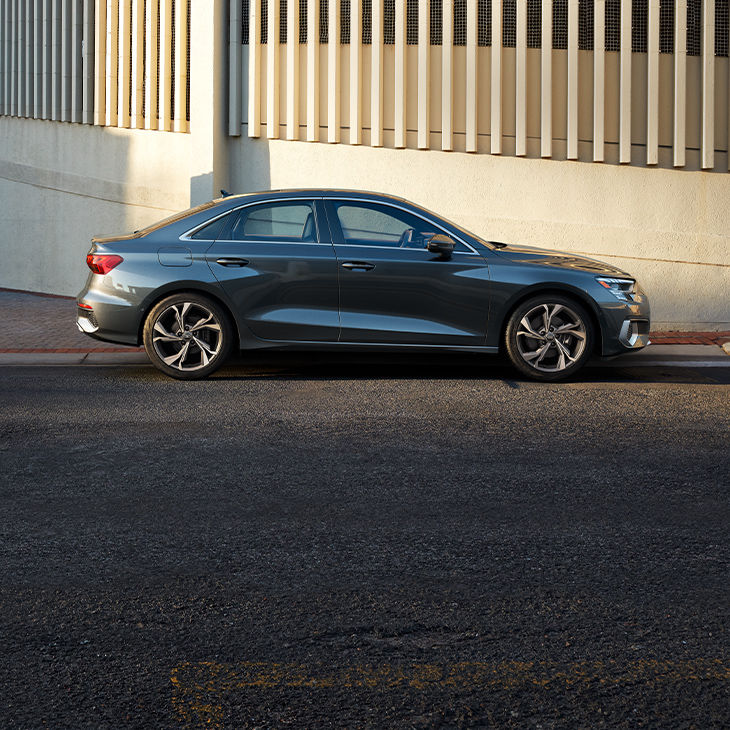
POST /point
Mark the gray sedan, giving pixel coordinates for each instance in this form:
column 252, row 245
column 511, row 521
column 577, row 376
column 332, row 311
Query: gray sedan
column 323, row 269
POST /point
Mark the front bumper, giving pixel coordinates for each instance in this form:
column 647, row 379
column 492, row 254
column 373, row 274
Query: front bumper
column 625, row 325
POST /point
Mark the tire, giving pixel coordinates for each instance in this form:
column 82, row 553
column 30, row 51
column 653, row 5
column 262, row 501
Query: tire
column 187, row 336
column 549, row 337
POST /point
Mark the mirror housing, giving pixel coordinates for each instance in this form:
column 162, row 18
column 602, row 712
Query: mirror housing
column 442, row 245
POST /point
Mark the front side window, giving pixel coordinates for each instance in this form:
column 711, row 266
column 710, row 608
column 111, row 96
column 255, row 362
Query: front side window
column 371, row 224
column 291, row 222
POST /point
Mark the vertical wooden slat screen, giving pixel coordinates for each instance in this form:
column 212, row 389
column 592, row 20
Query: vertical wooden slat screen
column 152, row 22
column 599, row 78
column 496, row 126
column 572, row 79
column 680, row 82
column 29, row 57
column 37, row 60
column 708, row 84
column 272, row 70
column 424, row 74
column 77, row 34
column 3, row 61
column 254, row 69
column 312, row 71
column 376, row 77
column 355, row 73
column 137, row 80
column 652, row 84
column 471, row 75
column 400, row 74
column 124, row 52
column 521, row 80
column 333, row 71
column 235, row 56
column 447, row 76
column 546, row 80
column 89, row 68
column 292, row 74
column 625, row 84
column 181, row 69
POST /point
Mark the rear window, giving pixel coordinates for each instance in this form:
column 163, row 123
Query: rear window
column 175, row 218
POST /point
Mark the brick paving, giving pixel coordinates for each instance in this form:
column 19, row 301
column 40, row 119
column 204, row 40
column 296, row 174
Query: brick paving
column 44, row 323
column 40, row 323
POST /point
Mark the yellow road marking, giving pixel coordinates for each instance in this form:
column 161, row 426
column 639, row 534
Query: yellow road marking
column 198, row 686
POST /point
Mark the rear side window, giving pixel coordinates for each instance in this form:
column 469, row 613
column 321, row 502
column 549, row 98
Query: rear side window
column 213, row 230
column 287, row 222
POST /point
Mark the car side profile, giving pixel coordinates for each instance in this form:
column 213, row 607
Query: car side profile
column 326, row 269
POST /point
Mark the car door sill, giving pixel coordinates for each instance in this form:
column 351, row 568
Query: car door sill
column 324, row 344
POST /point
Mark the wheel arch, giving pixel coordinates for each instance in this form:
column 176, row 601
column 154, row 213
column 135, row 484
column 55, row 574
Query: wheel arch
column 564, row 290
column 186, row 288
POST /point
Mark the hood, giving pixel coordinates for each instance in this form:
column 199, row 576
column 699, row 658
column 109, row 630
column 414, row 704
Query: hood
column 558, row 260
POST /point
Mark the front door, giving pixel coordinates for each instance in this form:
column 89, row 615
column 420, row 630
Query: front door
column 393, row 290
column 276, row 263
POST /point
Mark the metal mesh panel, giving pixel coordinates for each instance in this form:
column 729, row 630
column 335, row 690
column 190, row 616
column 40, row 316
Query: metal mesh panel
column 264, row 20
column 666, row 26
column 613, row 25
column 639, row 11
column 344, row 22
column 509, row 23
column 283, row 8
column 437, row 19
column 694, row 27
column 389, row 22
column 367, row 22
column 585, row 25
column 412, row 22
column 245, row 10
column 560, row 24
column 484, row 23
column 459, row 22
column 534, row 23
column 721, row 27
column 324, row 19
column 303, row 9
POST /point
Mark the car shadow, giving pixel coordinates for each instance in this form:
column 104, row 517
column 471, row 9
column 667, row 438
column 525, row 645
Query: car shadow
column 267, row 365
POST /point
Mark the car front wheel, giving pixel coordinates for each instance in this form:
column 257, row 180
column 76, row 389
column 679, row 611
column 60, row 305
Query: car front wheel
column 549, row 337
column 187, row 336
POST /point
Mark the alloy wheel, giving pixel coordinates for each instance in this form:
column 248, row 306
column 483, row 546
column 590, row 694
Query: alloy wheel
column 551, row 337
column 187, row 336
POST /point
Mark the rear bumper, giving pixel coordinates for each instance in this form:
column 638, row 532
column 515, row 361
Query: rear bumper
column 110, row 319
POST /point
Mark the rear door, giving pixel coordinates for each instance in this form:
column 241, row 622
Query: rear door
column 393, row 290
column 277, row 264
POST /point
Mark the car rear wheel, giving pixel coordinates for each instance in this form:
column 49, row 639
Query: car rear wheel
column 187, row 336
column 549, row 337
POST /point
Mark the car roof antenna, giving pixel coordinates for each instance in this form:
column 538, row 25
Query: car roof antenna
column 225, row 193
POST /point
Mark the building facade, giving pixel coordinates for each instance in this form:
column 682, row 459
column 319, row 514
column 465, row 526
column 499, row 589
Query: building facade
column 598, row 127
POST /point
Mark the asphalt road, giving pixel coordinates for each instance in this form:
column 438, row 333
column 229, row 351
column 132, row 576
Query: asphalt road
column 322, row 543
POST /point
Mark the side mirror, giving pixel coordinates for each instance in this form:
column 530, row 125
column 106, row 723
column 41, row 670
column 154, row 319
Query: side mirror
column 442, row 245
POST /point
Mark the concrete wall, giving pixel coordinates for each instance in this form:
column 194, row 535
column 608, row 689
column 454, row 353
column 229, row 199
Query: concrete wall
column 667, row 227
column 61, row 184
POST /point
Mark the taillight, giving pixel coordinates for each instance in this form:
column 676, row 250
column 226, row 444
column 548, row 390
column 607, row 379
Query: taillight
column 83, row 305
column 102, row 263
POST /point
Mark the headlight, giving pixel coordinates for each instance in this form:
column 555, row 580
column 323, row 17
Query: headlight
column 623, row 289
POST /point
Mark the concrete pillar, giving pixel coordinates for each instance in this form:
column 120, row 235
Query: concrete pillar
column 209, row 92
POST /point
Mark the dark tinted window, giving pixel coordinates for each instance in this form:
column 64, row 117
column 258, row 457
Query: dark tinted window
column 276, row 222
column 213, row 230
column 371, row 224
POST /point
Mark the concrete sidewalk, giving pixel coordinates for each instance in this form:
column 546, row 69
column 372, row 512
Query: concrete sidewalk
column 40, row 329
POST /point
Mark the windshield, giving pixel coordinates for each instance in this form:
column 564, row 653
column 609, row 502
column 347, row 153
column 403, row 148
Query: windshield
column 175, row 218
column 466, row 232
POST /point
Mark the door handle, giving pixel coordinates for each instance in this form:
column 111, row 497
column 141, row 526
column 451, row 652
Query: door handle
column 358, row 265
column 232, row 261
